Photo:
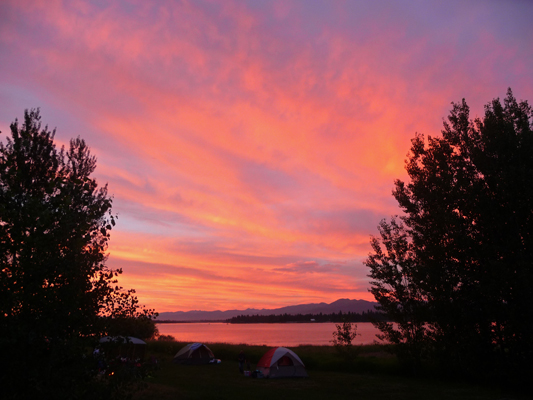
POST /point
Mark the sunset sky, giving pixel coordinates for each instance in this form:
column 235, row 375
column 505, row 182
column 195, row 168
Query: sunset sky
column 251, row 146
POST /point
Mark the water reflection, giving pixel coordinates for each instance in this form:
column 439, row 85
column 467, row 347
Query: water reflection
column 289, row 335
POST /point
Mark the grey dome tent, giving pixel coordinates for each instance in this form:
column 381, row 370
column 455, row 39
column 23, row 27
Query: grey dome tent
column 194, row 353
column 123, row 346
column 281, row 362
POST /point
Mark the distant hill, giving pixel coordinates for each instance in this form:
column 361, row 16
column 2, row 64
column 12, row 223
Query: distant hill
column 344, row 305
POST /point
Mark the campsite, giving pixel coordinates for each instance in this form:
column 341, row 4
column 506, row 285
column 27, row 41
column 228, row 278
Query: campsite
column 374, row 374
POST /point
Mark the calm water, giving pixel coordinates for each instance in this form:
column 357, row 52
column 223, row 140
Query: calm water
column 288, row 335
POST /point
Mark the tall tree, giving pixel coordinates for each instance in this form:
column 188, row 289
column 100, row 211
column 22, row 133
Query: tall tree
column 55, row 287
column 468, row 212
column 394, row 286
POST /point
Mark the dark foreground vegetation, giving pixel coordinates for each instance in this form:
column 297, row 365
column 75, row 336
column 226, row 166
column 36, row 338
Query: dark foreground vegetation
column 455, row 269
column 374, row 374
column 57, row 295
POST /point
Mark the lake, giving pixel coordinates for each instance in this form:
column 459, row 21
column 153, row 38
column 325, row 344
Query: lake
column 287, row 334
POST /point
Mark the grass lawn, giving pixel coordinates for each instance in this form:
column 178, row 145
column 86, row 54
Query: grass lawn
column 373, row 375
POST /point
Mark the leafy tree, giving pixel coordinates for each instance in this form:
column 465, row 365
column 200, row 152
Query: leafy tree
column 139, row 326
column 343, row 336
column 166, row 338
column 468, row 216
column 55, row 288
column 394, row 286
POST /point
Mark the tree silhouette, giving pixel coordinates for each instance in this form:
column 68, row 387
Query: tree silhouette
column 55, row 287
column 468, row 216
column 395, row 288
column 343, row 337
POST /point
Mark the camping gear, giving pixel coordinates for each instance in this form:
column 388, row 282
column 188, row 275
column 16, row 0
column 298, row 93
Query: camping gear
column 257, row 374
column 281, row 362
column 194, row 353
column 123, row 346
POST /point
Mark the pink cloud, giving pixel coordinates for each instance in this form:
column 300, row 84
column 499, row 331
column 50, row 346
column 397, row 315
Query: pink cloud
column 246, row 142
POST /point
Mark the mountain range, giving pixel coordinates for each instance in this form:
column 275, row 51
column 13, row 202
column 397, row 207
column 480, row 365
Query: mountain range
column 344, row 305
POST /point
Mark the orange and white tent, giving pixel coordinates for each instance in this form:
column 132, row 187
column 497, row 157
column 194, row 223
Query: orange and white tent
column 281, row 362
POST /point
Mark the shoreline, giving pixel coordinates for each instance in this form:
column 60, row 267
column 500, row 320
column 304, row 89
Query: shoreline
column 255, row 323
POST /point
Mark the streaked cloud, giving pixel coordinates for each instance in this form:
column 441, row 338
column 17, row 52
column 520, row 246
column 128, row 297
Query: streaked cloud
column 250, row 146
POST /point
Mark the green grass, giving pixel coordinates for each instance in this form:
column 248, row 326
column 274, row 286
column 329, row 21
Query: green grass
column 374, row 374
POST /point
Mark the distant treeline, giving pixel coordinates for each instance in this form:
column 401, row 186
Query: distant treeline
column 171, row 321
column 333, row 317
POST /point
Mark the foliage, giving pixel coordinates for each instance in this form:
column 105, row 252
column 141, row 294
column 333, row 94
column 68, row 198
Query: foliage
column 122, row 316
column 166, row 338
column 142, row 327
column 394, row 286
column 55, row 225
column 462, row 263
column 343, row 336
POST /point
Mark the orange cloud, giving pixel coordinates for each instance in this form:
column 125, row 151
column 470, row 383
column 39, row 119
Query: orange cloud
column 251, row 148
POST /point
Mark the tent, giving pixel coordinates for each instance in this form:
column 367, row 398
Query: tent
column 280, row 362
column 123, row 346
column 194, row 353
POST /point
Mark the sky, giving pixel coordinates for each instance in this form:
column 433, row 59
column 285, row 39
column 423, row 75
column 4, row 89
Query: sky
column 251, row 147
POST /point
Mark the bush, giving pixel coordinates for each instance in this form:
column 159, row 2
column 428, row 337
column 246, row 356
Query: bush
column 342, row 340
